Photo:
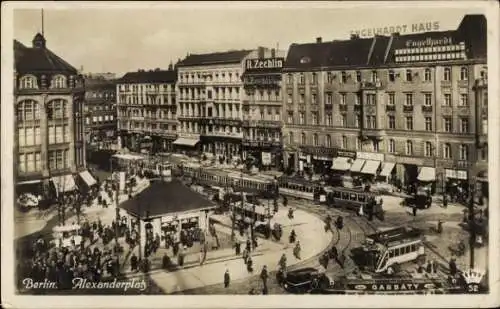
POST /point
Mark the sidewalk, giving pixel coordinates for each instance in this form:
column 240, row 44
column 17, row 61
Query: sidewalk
column 310, row 233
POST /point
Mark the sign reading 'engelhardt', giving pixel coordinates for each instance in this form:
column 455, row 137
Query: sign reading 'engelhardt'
column 401, row 29
column 268, row 63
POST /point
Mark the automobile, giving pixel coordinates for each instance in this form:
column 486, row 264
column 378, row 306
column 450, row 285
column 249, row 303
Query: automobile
column 27, row 201
column 305, row 280
column 420, row 201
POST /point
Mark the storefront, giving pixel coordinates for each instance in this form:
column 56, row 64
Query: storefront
column 406, row 170
column 316, row 160
column 369, row 164
column 188, row 144
column 264, row 155
column 86, row 180
column 64, row 184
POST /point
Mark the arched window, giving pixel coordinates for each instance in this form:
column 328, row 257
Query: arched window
column 447, row 74
column 58, row 81
column 427, row 74
column 28, row 110
column 291, row 137
column 303, row 138
column 315, row 139
column 464, row 73
column 57, row 109
column 28, row 82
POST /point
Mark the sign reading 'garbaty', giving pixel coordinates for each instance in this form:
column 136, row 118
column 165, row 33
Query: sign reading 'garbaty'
column 268, row 63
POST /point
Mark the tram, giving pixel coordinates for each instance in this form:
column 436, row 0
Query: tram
column 354, row 199
column 225, row 179
column 299, row 188
column 385, row 251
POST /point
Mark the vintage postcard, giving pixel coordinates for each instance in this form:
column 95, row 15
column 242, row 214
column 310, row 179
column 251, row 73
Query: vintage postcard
column 250, row 154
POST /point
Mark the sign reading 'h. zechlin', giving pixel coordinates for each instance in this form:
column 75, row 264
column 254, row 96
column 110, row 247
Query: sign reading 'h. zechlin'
column 264, row 64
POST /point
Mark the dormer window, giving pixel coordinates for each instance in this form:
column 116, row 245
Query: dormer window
column 58, row 81
column 28, row 82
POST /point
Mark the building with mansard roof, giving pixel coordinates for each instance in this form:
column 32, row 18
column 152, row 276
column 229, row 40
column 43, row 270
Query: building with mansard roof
column 49, row 143
column 146, row 110
column 409, row 108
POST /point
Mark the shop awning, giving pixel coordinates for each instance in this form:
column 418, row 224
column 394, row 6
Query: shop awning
column 387, row 168
column 456, row 174
column 186, row 142
column 341, row 164
column 427, row 174
column 370, row 167
column 89, row 180
column 64, row 183
column 357, row 165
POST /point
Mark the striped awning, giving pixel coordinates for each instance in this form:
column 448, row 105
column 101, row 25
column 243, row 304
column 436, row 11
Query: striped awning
column 341, row 164
column 357, row 165
column 370, row 167
column 64, row 183
column 186, row 141
column 387, row 168
column 89, row 180
column 427, row 174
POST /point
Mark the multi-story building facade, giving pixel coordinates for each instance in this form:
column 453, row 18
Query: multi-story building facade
column 262, row 108
column 147, row 110
column 49, row 99
column 411, row 106
column 209, row 91
column 100, row 111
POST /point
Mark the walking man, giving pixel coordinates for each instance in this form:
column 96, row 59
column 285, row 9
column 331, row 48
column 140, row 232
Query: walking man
column 227, row 278
column 264, row 275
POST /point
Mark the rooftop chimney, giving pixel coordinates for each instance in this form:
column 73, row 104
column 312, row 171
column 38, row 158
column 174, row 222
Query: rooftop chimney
column 354, row 36
column 260, row 52
column 273, row 53
column 170, row 66
column 319, row 40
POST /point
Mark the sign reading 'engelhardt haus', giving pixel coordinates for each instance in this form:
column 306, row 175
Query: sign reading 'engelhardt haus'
column 268, row 63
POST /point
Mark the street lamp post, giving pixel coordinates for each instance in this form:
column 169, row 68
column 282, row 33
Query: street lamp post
column 472, row 224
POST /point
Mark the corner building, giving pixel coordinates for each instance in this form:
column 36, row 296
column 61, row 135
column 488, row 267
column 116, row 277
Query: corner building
column 210, row 93
column 49, row 144
column 409, row 108
column 262, row 108
column 147, row 110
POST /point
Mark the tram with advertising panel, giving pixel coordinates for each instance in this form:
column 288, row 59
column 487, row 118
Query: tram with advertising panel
column 385, row 251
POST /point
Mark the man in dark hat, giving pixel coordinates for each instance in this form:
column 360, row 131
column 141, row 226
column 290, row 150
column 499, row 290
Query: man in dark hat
column 264, row 275
column 227, row 278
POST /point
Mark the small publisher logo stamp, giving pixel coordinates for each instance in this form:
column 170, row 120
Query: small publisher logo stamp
column 473, row 278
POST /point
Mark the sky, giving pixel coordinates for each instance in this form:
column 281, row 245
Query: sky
column 122, row 39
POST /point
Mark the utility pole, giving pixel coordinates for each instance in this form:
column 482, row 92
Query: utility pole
column 472, row 223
